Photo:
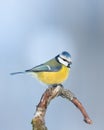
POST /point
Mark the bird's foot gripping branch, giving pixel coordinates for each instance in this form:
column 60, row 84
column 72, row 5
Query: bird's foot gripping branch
column 38, row 122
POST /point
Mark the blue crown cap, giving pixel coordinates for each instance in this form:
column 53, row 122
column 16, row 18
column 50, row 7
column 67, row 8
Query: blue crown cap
column 66, row 54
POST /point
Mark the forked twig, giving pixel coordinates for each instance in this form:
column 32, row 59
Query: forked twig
column 38, row 122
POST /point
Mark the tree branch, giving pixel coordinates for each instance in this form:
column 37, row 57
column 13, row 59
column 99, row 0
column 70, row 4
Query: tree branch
column 38, row 122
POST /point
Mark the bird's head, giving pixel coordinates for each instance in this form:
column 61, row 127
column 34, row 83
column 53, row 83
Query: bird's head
column 64, row 58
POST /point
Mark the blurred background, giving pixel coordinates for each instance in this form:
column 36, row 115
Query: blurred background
column 34, row 31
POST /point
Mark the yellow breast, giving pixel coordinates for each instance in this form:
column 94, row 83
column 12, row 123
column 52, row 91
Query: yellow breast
column 53, row 77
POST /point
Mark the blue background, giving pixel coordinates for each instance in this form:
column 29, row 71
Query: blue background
column 34, row 31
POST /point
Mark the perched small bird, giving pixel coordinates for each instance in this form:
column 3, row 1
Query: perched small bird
column 54, row 71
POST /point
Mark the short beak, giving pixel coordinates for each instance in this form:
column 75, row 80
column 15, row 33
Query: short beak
column 69, row 64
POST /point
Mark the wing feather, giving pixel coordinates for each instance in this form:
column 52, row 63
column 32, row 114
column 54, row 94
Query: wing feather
column 44, row 68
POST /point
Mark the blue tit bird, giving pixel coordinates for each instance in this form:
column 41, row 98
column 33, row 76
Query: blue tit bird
column 52, row 72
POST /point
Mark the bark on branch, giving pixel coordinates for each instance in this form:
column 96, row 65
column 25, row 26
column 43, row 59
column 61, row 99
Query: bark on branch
column 38, row 122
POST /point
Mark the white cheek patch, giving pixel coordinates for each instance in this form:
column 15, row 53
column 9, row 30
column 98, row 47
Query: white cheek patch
column 62, row 57
column 62, row 61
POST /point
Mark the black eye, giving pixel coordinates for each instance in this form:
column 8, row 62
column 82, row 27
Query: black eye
column 69, row 65
column 64, row 60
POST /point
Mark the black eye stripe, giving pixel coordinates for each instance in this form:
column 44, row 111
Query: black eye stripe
column 61, row 58
column 64, row 59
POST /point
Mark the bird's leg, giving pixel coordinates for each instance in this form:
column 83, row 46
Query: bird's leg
column 55, row 85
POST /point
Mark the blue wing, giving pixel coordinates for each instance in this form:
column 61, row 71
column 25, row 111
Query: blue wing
column 50, row 66
column 45, row 68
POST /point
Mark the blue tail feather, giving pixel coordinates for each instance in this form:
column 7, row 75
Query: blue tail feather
column 14, row 73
